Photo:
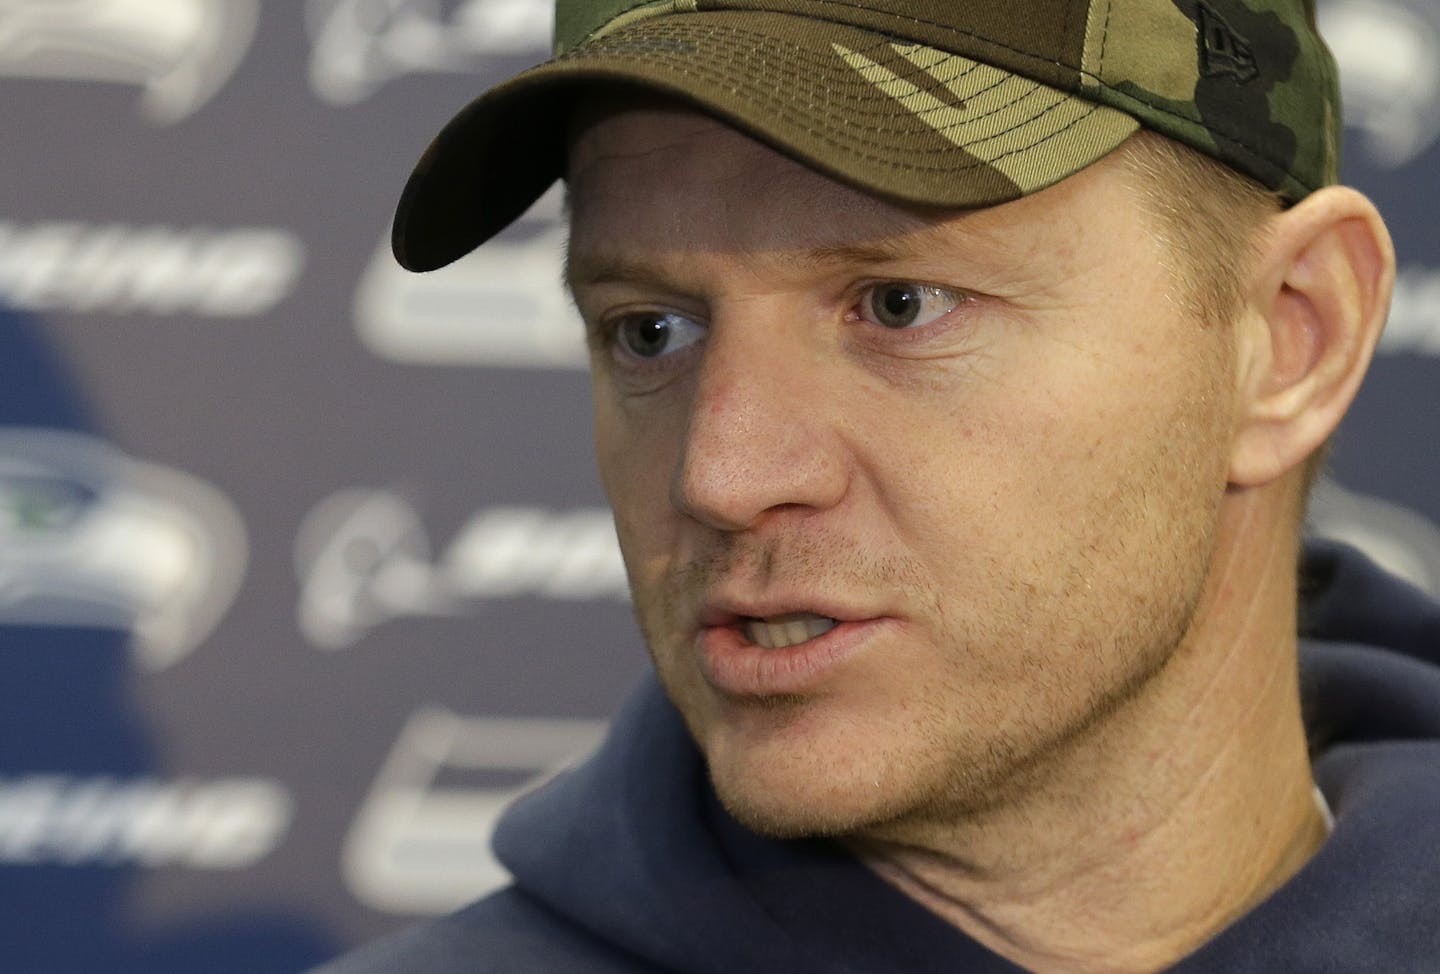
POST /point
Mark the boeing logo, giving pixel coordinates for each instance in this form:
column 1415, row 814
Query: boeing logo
column 359, row 45
column 90, row 537
column 363, row 557
column 120, row 269
column 178, row 52
column 1389, row 55
column 62, row 819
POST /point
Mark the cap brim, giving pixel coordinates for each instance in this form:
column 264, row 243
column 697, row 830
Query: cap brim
column 902, row 121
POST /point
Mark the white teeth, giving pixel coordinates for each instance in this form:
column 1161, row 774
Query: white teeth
column 787, row 630
column 796, row 632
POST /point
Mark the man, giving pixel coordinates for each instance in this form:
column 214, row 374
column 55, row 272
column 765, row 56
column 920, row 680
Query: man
column 960, row 369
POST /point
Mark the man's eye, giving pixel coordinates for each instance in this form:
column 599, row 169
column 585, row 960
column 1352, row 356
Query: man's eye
column 651, row 335
column 899, row 304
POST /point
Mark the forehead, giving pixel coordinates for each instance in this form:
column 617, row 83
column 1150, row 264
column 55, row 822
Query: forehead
column 627, row 164
column 648, row 177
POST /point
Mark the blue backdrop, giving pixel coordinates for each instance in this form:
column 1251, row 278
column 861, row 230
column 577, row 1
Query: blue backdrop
column 304, row 570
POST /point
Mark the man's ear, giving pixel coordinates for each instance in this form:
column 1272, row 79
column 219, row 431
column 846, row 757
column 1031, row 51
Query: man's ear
column 1316, row 303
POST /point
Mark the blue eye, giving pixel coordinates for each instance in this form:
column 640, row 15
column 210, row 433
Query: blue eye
column 654, row 334
column 900, row 304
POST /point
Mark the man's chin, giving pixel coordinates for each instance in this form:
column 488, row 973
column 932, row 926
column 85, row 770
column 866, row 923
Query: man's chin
column 805, row 770
column 776, row 818
column 807, row 806
column 851, row 792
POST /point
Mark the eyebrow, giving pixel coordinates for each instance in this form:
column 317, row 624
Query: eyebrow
column 602, row 268
column 589, row 270
column 876, row 252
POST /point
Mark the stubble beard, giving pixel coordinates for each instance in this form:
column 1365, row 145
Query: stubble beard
column 947, row 770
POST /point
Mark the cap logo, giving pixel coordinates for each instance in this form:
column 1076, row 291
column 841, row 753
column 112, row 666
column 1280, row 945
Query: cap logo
column 941, row 115
column 1222, row 50
column 996, row 117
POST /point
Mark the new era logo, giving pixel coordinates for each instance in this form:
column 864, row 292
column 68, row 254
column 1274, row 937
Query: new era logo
column 1222, row 50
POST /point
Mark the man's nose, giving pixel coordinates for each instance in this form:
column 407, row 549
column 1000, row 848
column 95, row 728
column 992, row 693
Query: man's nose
column 762, row 434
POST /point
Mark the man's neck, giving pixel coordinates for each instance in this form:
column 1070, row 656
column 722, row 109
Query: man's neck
column 1171, row 818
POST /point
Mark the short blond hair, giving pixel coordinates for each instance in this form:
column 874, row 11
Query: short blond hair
column 1212, row 220
column 1210, row 217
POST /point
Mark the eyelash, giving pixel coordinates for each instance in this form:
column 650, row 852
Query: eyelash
column 953, row 297
column 606, row 336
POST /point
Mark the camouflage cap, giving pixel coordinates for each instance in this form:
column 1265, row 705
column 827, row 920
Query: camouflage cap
column 946, row 103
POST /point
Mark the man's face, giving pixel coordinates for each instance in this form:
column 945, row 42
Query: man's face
column 974, row 462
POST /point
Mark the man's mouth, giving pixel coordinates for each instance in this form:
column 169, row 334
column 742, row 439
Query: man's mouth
column 778, row 632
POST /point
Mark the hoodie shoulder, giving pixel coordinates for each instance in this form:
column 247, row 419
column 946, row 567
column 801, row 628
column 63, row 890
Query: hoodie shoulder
column 505, row 933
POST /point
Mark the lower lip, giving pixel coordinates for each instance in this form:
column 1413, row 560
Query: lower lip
column 735, row 666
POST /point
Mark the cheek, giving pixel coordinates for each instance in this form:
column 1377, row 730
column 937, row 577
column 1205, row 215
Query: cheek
column 636, row 463
column 1054, row 464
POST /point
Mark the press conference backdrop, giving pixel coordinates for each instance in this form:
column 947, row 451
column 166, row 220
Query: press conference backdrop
column 304, row 571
